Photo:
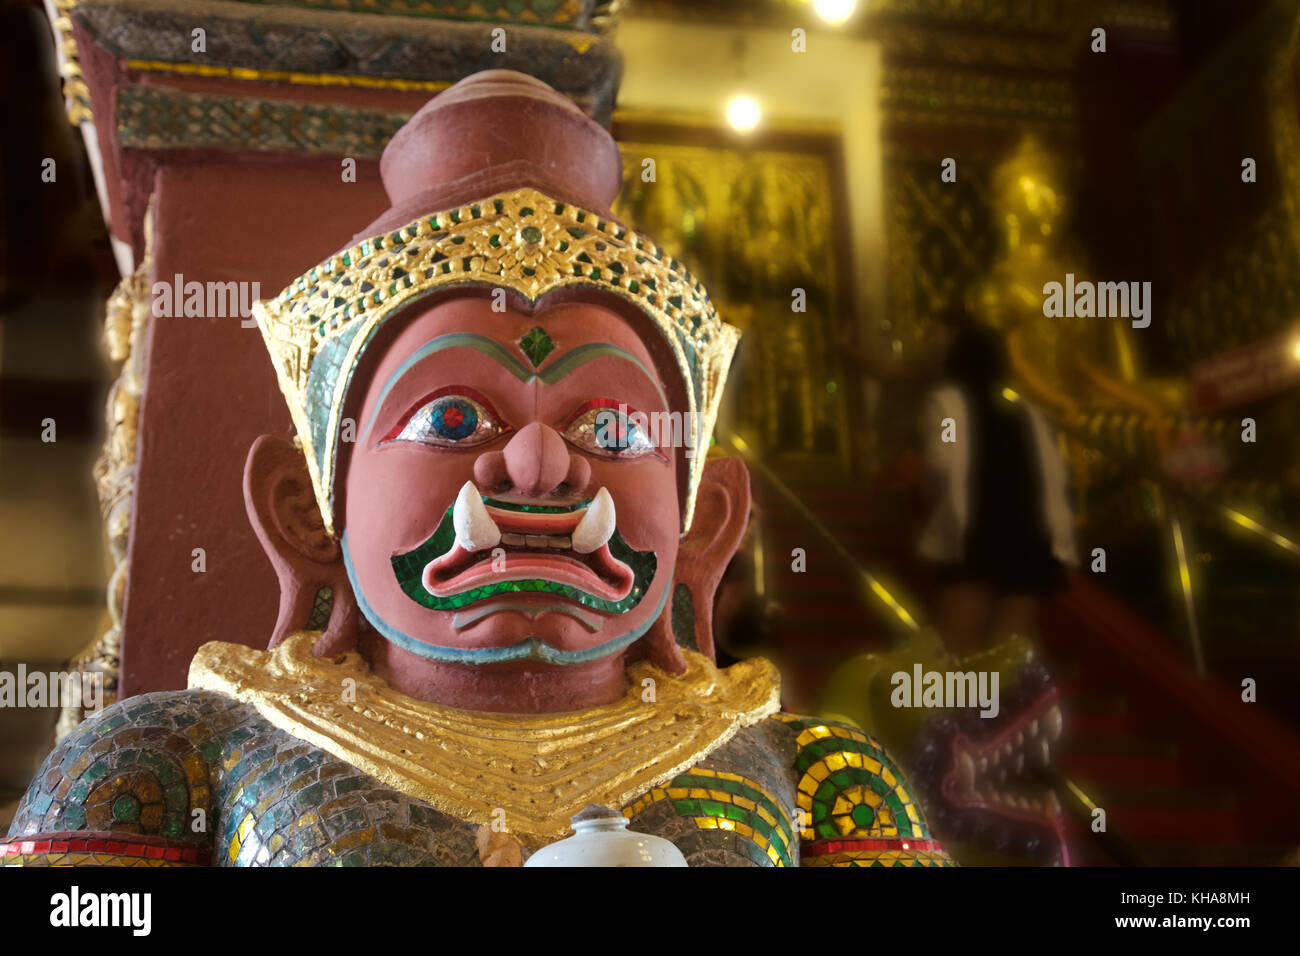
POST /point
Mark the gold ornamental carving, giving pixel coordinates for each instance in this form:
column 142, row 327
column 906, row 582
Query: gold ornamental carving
column 539, row 769
column 125, row 323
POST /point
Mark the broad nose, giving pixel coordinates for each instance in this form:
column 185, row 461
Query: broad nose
column 536, row 461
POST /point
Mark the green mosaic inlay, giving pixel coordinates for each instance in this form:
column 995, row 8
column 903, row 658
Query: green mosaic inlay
column 126, row 808
column 535, row 509
column 536, row 344
column 716, row 808
column 819, row 749
column 74, row 817
column 321, row 607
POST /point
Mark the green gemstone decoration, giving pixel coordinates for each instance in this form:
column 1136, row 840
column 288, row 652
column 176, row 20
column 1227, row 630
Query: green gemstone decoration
column 534, row 509
column 682, row 617
column 530, row 234
column 536, row 344
column 322, row 605
column 126, row 808
column 780, row 836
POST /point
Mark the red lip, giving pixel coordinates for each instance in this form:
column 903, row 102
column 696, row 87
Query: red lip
column 532, row 522
column 598, row 573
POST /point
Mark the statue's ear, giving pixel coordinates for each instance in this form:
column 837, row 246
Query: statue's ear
column 308, row 562
column 721, row 515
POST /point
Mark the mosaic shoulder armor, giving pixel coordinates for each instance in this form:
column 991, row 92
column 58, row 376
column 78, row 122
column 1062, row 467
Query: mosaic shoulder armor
column 854, row 804
column 792, row 791
column 196, row 778
column 130, row 786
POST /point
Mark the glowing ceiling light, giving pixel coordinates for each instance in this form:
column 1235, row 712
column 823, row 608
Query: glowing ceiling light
column 835, row 12
column 743, row 113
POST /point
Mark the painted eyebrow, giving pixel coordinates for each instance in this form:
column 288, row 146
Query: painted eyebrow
column 558, row 369
column 583, row 354
column 480, row 343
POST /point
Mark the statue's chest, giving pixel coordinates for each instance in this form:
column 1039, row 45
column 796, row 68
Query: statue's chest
column 284, row 802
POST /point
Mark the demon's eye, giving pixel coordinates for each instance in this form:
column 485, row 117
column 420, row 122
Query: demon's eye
column 455, row 417
column 612, row 429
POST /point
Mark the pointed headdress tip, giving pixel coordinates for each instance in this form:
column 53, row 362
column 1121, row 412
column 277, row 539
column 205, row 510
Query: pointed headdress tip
column 493, row 132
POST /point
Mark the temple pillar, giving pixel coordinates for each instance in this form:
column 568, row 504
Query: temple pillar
column 224, row 142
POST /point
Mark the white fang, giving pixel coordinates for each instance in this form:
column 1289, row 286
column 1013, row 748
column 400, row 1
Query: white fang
column 475, row 529
column 597, row 524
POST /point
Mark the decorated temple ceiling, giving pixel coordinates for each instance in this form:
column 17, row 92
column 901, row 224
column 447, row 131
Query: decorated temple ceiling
column 307, row 43
column 563, row 14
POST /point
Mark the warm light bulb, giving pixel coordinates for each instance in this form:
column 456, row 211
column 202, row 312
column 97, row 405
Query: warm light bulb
column 1295, row 350
column 835, row 12
column 743, row 113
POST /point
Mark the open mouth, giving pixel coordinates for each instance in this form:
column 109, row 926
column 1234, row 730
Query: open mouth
column 485, row 547
column 532, row 546
column 1001, row 774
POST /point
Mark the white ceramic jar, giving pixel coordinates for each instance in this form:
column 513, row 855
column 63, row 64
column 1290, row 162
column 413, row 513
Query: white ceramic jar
column 601, row 838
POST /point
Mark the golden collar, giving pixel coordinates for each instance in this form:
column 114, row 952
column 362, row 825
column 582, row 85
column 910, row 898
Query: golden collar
column 540, row 769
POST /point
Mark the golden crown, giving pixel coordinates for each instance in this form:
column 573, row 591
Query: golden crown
column 318, row 327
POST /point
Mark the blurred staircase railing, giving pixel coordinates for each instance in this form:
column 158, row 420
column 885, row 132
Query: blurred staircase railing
column 1180, row 504
column 870, row 588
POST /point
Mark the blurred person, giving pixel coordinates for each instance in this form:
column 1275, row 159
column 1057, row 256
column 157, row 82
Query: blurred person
column 1000, row 532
